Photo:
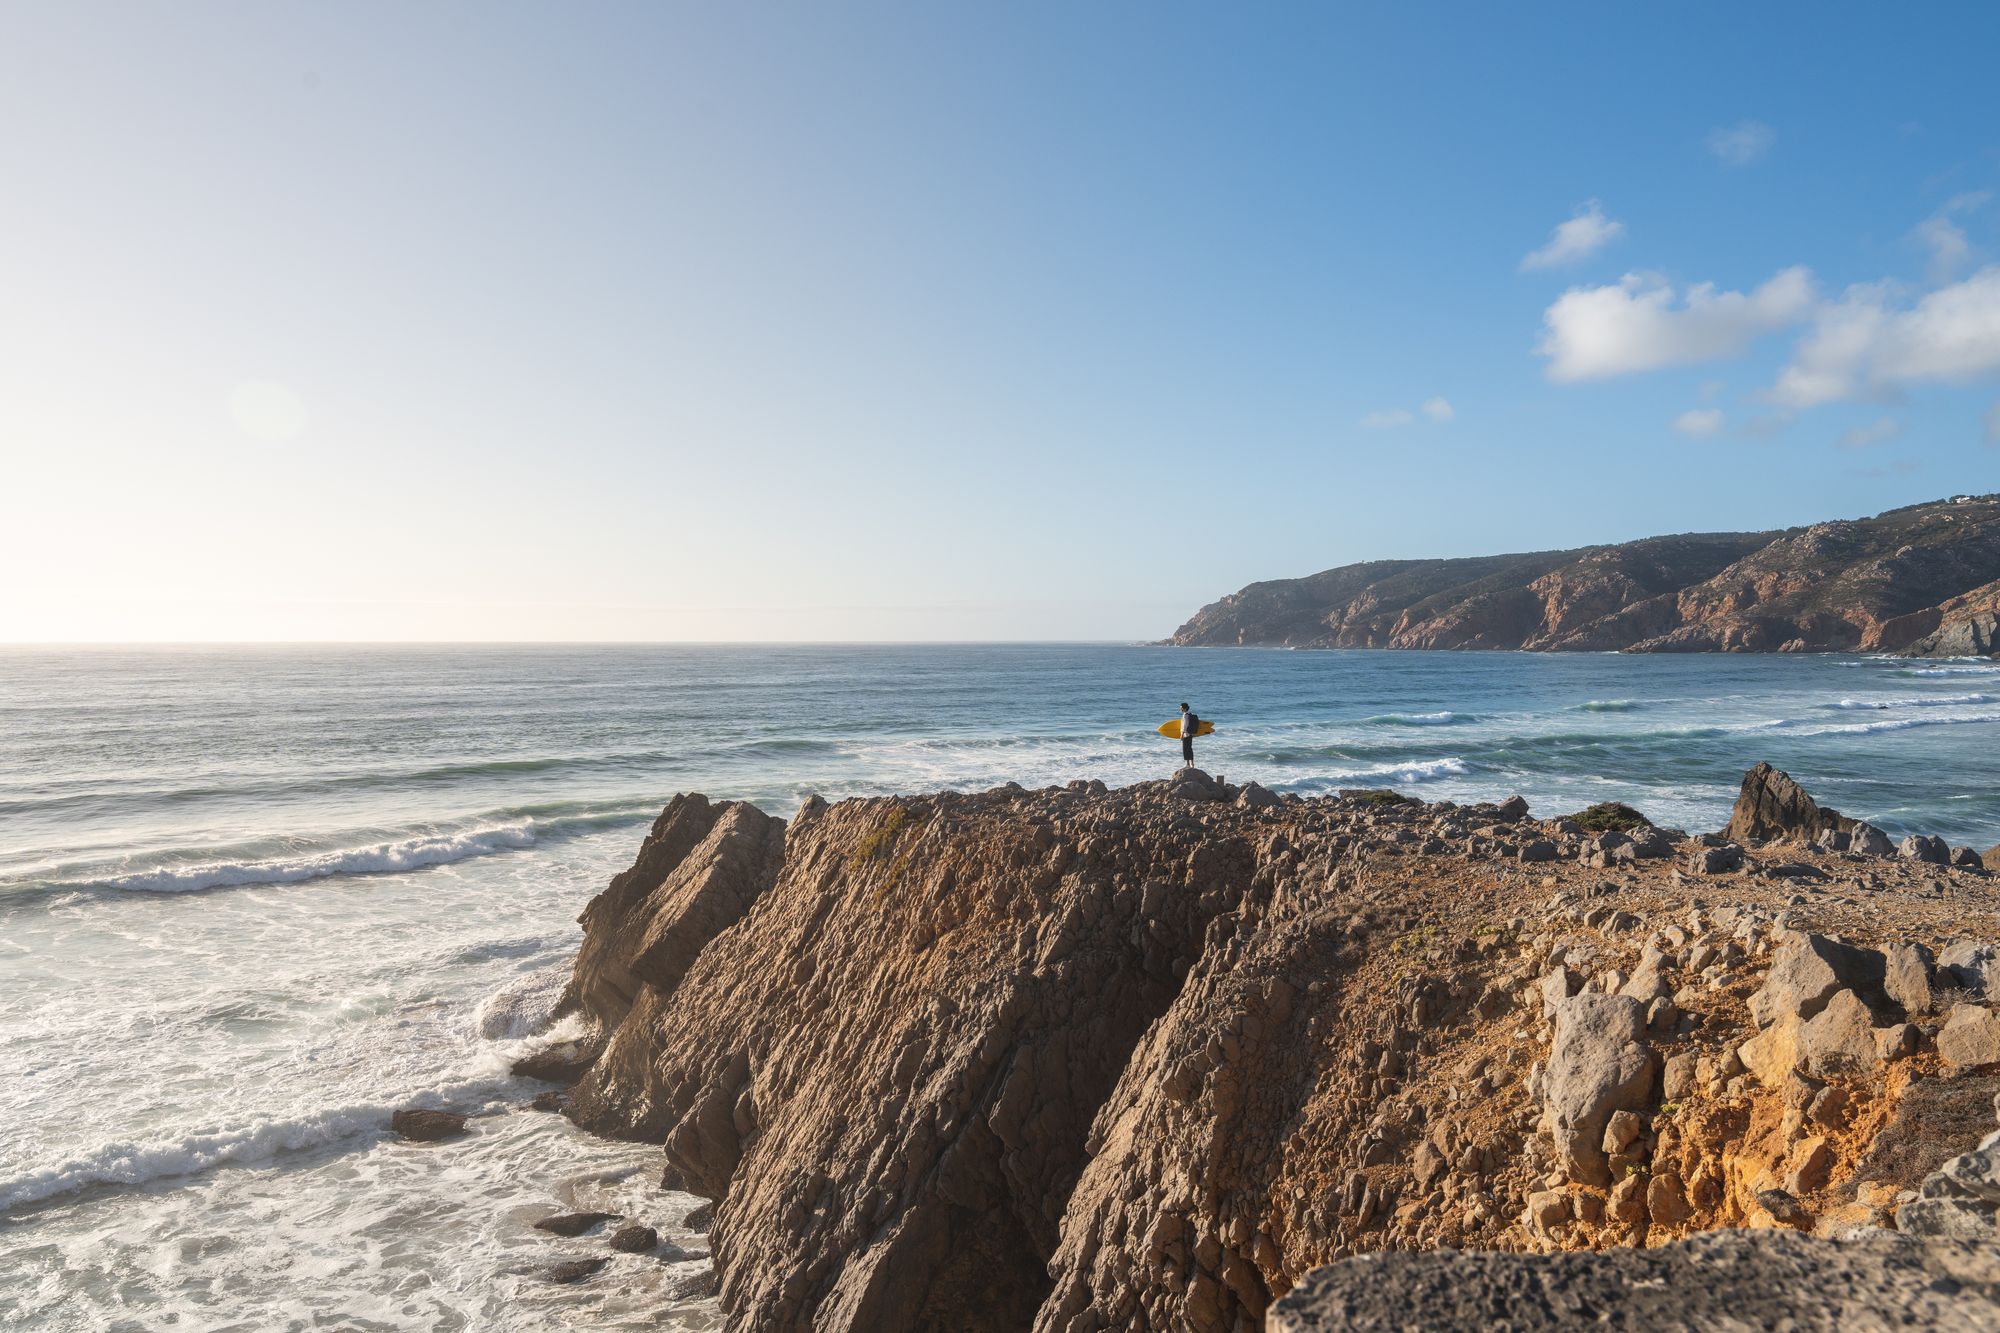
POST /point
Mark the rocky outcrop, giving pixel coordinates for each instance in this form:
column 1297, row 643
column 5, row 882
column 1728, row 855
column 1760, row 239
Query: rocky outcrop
column 1771, row 806
column 1082, row 1059
column 1923, row 579
column 1726, row 1280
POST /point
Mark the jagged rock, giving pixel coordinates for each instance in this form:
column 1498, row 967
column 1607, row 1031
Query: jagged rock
column 1541, row 849
column 700, row 1219
column 1723, row 1280
column 573, row 1224
column 1805, row 973
column 635, row 1239
column 1970, row 1037
column 1255, row 797
column 422, row 1126
column 1965, row 858
column 1771, row 806
column 1598, row 1064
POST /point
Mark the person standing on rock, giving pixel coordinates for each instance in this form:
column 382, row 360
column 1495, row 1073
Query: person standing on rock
column 1190, row 724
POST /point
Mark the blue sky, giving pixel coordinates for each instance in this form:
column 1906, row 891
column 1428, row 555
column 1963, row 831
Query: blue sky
column 1012, row 321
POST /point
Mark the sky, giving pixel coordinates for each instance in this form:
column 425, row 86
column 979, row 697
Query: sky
column 904, row 322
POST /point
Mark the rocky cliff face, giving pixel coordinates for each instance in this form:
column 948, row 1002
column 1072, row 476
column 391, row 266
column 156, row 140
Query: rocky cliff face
column 1082, row 1059
column 1923, row 579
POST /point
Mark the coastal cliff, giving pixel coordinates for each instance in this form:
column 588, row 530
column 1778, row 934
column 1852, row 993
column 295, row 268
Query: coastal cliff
column 1080, row 1058
column 1923, row 579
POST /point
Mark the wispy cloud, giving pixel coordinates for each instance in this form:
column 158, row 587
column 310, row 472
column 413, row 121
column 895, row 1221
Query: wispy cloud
column 1389, row 418
column 1585, row 234
column 1699, row 421
column 1743, row 143
column 1641, row 323
column 1945, row 239
column 1875, row 432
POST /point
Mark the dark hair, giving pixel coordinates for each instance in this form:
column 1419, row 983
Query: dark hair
column 1184, row 708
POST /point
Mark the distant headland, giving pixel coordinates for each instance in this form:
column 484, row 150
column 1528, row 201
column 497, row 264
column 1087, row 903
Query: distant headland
column 1922, row 580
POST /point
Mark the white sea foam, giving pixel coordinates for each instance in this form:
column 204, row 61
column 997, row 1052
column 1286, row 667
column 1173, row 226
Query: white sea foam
column 1441, row 719
column 380, row 859
column 1941, row 701
column 523, row 1006
column 1423, row 770
column 138, row 1163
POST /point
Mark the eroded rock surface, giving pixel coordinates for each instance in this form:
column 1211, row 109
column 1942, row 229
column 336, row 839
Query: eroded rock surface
column 1081, row 1059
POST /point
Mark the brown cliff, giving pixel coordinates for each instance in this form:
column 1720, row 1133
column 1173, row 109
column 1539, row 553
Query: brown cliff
column 1923, row 579
column 1082, row 1059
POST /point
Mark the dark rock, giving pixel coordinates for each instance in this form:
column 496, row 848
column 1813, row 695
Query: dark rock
column 421, row 1126
column 1771, row 806
column 1539, row 850
column 565, row 1062
column 1967, row 859
column 574, row 1224
column 574, row 1270
column 1766, row 1279
column 1793, row 870
column 700, row 1220
column 1784, row 1209
column 635, row 1239
column 551, row 1100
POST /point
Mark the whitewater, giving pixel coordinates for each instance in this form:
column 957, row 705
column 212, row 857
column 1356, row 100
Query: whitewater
column 252, row 901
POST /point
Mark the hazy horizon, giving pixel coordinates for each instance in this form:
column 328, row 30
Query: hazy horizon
column 491, row 324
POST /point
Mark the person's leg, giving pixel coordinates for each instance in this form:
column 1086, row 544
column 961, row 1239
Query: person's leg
column 1187, row 751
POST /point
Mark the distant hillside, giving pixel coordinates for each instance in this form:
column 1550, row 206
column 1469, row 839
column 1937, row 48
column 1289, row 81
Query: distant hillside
column 1923, row 580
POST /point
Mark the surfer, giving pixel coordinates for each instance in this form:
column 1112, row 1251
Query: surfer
column 1190, row 724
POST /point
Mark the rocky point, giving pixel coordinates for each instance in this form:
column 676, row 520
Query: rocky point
column 1188, row 1055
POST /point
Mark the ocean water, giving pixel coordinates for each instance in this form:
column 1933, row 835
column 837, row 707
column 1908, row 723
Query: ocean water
column 251, row 900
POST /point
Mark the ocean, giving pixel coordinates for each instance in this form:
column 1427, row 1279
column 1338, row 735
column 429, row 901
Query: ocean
column 254, row 899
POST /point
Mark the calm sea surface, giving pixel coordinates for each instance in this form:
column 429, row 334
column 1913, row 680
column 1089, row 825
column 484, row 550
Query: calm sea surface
column 253, row 899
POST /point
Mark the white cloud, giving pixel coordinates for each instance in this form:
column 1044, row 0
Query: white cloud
column 1862, row 345
column 1585, row 234
column 1639, row 324
column 1945, row 239
column 1993, row 424
column 1699, row 421
column 1741, row 144
column 1387, row 419
column 1437, row 409
column 1860, row 437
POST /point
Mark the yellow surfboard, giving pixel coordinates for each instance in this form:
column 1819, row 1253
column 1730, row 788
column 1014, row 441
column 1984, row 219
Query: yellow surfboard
column 1172, row 727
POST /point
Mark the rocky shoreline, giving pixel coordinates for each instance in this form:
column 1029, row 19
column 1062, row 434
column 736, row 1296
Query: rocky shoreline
column 1923, row 581
column 1186, row 1055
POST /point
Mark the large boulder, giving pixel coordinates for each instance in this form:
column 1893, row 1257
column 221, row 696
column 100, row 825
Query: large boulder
column 1806, row 971
column 1598, row 1064
column 1772, row 807
column 1970, row 1037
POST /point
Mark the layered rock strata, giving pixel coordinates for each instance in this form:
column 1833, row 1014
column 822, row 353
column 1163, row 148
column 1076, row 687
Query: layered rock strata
column 1080, row 1059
